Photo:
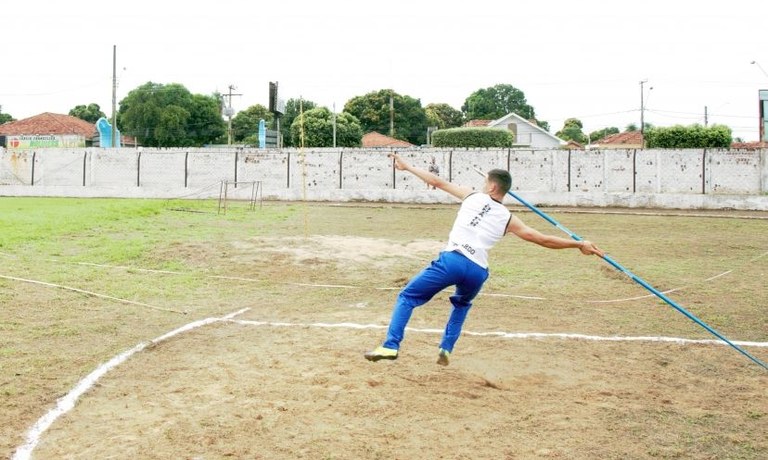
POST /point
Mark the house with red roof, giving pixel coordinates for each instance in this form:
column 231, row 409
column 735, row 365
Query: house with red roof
column 47, row 130
column 374, row 139
column 52, row 130
column 754, row 145
column 625, row 140
column 477, row 123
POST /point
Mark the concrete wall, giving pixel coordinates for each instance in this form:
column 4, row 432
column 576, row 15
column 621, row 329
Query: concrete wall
column 634, row 178
column 15, row 167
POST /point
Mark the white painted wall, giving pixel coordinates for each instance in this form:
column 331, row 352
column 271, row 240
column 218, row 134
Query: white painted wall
column 627, row 178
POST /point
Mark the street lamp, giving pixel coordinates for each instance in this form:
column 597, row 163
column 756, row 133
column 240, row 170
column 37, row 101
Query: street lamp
column 760, row 67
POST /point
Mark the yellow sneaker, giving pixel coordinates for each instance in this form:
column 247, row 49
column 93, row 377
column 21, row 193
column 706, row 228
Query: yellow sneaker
column 442, row 357
column 381, row 353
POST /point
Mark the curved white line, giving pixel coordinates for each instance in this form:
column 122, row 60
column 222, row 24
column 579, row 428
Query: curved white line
column 67, row 402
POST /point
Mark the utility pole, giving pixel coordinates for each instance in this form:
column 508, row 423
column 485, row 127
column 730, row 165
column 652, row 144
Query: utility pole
column 114, row 95
column 229, row 112
column 705, row 116
column 642, row 112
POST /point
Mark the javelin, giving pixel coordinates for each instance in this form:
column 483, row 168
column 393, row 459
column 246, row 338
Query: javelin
column 638, row 280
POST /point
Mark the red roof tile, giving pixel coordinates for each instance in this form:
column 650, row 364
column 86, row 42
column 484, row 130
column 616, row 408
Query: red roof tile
column 625, row 138
column 374, row 139
column 477, row 123
column 749, row 145
column 573, row 145
column 49, row 123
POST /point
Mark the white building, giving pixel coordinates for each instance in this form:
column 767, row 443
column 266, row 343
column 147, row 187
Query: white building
column 527, row 134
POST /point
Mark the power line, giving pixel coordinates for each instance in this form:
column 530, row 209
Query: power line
column 659, row 111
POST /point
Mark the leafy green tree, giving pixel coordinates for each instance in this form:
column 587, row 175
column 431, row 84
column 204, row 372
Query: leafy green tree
column 495, row 102
column 573, row 131
column 443, row 116
column 407, row 115
column 293, row 107
column 573, row 122
column 245, row 125
column 4, row 117
column 317, row 128
column 90, row 113
column 170, row 130
column 631, row 128
column 205, row 122
column 169, row 115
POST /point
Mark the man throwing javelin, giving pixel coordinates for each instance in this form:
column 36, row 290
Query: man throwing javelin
column 480, row 223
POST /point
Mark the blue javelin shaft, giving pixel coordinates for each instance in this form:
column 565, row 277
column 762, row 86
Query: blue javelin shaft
column 642, row 283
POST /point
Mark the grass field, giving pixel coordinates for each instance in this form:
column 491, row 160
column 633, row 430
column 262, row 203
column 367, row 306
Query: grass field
column 83, row 280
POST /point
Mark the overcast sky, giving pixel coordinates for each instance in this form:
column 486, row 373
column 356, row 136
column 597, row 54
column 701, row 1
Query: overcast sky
column 583, row 59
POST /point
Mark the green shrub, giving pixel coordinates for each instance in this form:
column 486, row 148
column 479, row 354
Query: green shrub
column 473, row 137
column 689, row 137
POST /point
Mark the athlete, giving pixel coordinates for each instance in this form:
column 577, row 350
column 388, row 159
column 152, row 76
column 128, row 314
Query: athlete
column 480, row 223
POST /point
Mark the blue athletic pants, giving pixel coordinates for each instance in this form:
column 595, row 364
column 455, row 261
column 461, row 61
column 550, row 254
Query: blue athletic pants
column 450, row 268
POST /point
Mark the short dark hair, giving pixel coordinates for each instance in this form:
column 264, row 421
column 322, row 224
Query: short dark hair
column 501, row 178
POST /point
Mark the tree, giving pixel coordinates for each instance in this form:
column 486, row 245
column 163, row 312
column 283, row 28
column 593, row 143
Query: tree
column 316, row 128
column 495, row 102
column 292, row 110
column 4, row 117
column 245, row 125
column 205, row 122
column 572, row 130
column 405, row 115
column 444, row 116
column 160, row 115
column 170, row 127
column 90, row 113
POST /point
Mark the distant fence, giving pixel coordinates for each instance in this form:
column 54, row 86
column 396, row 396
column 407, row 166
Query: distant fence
column 632, row 177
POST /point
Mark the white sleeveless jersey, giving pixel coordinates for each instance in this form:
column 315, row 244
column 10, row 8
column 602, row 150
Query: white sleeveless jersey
column 480, row 224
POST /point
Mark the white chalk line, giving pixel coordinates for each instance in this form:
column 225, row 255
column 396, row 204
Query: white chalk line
column 510, row 335
column 67, row 402
column 344, row 286
column 711, row 278
column 243, row 279
column 93, row 294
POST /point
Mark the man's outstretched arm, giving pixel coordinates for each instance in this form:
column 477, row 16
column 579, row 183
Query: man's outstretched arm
column 434, row 180
column 527, row 233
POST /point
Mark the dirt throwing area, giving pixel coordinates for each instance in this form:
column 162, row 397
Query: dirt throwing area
column 286, row 378
column 240, row 390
